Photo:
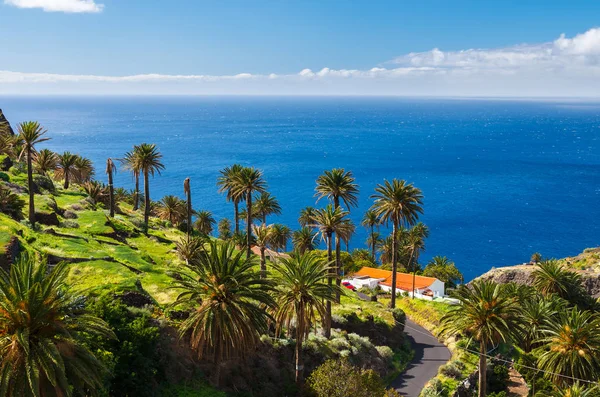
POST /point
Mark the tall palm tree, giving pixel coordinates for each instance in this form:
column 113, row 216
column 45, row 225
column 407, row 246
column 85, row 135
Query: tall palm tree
column 304, row 239
column 31, row 133
column 224, row 229
column 346, row 234
column 204, row 222
column 111, row 169
column 329, row 221
column 149, row 162
column 266, row 205
column 172, row 209
column 130, row 163
column 66, row 167
column 245, row 183
column 188, row 198
column 232, row 298
column 280, row 236
column 42, row 333
column 374, row 241
column 300, row 295
column 416, row 243
column 398, row 202
column 572, row 347
column 225, row 182
column 44, row 161
column 263, row 237
column 370, row 221
column 338, row 184
column 486, row 314
column 306, row 216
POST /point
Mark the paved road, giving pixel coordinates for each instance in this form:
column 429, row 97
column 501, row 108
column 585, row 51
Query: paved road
column 430, row 354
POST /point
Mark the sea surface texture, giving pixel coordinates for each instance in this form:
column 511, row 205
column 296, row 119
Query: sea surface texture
column 501, row 179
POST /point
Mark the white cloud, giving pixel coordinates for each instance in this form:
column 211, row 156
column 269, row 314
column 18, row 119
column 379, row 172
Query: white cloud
column 69, row 6
column 563, row 67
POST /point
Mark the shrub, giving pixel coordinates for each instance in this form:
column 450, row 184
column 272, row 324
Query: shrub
column 434, row 389
column 11, row 204
column 4, row 176
column 43, row 182
column 70, row 215
column 67, row 224
column 338, row 378
column 451, row 370
column 498, row 394
column 15, row 170
column 386, row 353
column 497, row 378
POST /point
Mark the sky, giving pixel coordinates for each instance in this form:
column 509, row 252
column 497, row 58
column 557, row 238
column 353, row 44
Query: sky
column 327, row 47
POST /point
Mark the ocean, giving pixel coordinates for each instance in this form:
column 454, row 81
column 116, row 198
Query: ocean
column 501, row 179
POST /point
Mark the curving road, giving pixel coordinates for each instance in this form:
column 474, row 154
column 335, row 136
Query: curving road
column 430, row 354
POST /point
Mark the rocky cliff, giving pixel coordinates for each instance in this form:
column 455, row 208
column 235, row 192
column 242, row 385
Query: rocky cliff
column 587, row 264
column 5, row 125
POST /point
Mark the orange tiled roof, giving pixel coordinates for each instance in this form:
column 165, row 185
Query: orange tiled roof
column 403, row 280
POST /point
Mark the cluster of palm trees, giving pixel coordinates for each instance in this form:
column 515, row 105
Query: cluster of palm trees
column 555, row 320
column 234, row 304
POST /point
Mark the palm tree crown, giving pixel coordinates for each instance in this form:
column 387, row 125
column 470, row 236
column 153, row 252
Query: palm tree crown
column 44, row 161
column 226, row 184
column 266, row 205
column 66, row 167
column 204, row 222
column 149, row 161
column 304, row 239
column 337, row 184
column 42, row 327
column 245, row 182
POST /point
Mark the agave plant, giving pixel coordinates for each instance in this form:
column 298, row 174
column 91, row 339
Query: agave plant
column 96, row 192
column 42, row 332
column 11, row 204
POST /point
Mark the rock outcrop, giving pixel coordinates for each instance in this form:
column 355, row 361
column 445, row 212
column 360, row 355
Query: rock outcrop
column 5, row 125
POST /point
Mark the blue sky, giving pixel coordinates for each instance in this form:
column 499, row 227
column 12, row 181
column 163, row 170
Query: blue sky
column 117, row 38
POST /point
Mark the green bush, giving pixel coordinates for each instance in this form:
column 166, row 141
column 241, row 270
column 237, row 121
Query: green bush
column 43, row 182
column 11, row 204
column 451, row 370
column 338, row 378
column 497, row 378
column 4, row 176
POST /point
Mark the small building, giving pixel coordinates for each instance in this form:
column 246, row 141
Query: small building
column 425, row 287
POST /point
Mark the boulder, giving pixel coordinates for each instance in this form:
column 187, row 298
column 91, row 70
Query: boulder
column 50, row 219
column 135, row 299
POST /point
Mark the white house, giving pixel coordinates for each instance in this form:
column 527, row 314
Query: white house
column 424, row 287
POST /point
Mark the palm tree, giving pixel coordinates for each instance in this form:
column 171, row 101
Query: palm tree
column 346, row 234
column 370, row 221
column 189, row 248
column 443, row 269
column 280, row 236
column 224, row 229
column 374, row 241
column 486, row 314
column 263, row 236
column 300, row 295
column 84, row 169
column 576, row 390
column 30, row 133
column 65, row 167
column 204, row 222
column 306, row 216
column 96, row 192
column 172, row 208
column 416, row 243
column 149, row 163
column 551, row 277
column 400, row 203
column 266, row 205
column 111, row 168
column 130, row 163
column 231, row 299
column 225, row 182
column 337, row 185
column 535, row 312
column 329, row 221
column 42, row 333
column 304, row 239
column 188, row 197
column 245, row 182
column 44, row 161
column 572, row 347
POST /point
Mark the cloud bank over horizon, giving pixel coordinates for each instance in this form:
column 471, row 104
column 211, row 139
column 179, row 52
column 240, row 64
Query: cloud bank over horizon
column 562, row 67
column 67, row 6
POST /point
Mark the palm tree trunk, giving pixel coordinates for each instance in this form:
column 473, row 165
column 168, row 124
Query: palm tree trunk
column 136, row 192
column 66, row 184
column 299, row 339
column 410, row 258
column 146, row 199
column 373, row 243
column 482, row 369
column 236, row 215
column 248, row 223
column 30, row 187
column 263, row 263
column 338, row 267
column 264, row 220
column 111, row 192
column 217, row 361
column 394, row 265
column 188, row 192
column 327, row 322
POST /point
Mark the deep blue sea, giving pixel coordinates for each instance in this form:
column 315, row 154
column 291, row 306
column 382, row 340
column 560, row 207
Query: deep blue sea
column 501, row 179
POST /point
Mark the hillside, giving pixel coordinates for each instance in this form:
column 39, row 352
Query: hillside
column 586, row 263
